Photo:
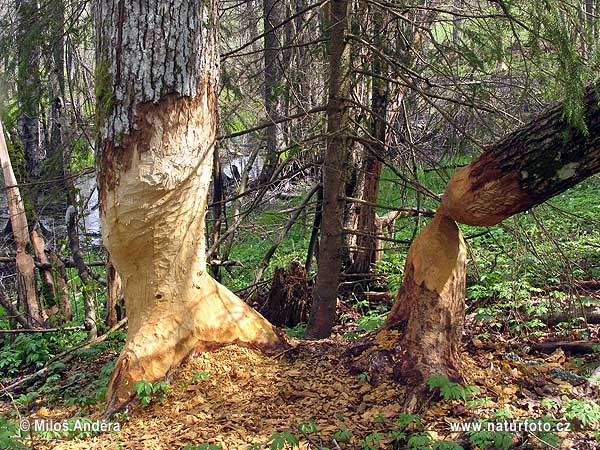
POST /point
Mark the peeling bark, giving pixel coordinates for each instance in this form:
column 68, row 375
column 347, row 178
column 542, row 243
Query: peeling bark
column 156, row 140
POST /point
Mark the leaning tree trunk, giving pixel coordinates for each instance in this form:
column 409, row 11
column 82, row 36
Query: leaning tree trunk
column 335, row 161
column 26, row 285
column 156, row 78
column 528, row 167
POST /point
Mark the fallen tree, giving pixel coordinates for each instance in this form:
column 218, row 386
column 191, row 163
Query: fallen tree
column 529, row 166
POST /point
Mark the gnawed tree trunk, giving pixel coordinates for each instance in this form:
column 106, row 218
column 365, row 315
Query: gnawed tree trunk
column 335, row 170
column 430, row 303
column 526, row 168
column 156, row 94
column 26, row 285
column 54, row 283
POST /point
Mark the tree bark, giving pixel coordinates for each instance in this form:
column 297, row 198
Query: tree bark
column 157, row 98
column 323, row 311
column 272, row 16
column 28, row 84
column 114, row 294
column 526, row 168
column 26, row 285
column 83, row 272
column 366, row 253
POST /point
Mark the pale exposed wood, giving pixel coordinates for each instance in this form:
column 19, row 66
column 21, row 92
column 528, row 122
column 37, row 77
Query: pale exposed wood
column 26, row 285
column 154, row 180
column 430, row 302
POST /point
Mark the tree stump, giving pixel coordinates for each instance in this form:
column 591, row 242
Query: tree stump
column 288, row 303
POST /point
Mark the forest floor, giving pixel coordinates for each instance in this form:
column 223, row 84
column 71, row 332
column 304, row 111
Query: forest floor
column 237, row 398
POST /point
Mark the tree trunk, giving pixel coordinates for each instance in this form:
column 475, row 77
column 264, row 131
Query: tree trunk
column 62, row 291
column 288, row 303
column 366, row 252
column 82, row 271
column 217, row 210
column 49, row 290
column 28, row 84
column 526, row 168
column 272, row 15
column 56, row 77
column 323, row 312
column 26, row 285
column 156, row 78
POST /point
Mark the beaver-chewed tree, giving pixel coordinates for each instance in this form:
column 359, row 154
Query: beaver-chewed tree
column 156, row 77
column 525, row 169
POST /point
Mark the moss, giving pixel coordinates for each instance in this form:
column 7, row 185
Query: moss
column 17, row 159
column 104, row 91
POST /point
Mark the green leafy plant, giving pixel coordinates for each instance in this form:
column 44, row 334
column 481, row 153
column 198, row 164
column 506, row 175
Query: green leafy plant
column 146, row 391
column 342, row 435
column 364, row 377
column 202, row 376
column 278, row 441
column 371, row 441
column 496, row 439
column 308, row 428
column 9, row 434
column 450, row 390
column 297, row 331
column 586, row 411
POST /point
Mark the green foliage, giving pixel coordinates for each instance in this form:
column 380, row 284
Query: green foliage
column 371, row 441
column 278, row 441
column 297, row 331
column 308, row 428
column 342, row 435
column 364, row 377
column 419, row 441
column 586, row 411
column 9, row 434
column 450, row 390
column 496, row 439
column 147, row 391
column 35, row 349
column 372, row 320
column 202, row 376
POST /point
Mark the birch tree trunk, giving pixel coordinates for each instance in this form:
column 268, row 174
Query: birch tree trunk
column 156, row 77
